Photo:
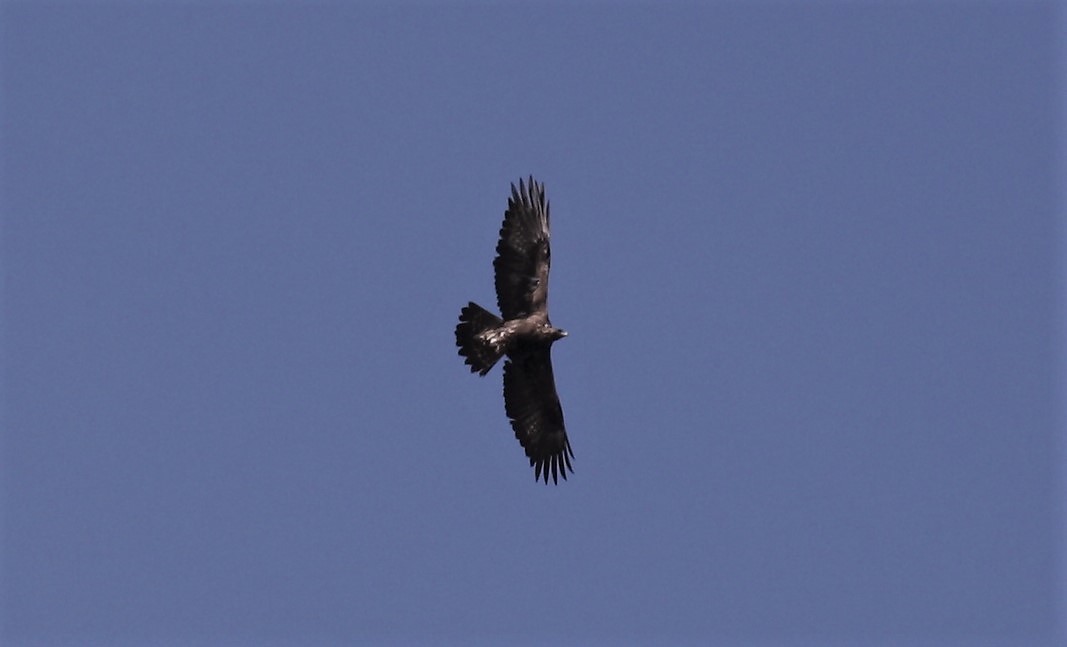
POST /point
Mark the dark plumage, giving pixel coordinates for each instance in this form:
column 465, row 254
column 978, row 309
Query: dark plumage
column 524, row 334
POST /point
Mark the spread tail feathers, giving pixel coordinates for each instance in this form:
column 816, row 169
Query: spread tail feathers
column 481, row 353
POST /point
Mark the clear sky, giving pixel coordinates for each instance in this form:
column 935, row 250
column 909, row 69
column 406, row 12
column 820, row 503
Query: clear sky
column 807, row 255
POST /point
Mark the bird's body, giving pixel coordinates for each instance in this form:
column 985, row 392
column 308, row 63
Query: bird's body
column 524, row 333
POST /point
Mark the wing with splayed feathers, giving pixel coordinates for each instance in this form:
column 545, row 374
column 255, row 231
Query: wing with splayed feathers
column 532, row 404
column 523, row 253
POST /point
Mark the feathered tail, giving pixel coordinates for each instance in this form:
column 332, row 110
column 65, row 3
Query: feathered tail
column 480, row 352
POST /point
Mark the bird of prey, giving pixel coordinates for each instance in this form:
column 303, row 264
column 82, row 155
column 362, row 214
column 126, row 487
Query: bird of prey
column 523, row 333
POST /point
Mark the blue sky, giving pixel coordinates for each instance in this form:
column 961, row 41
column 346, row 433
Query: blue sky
column 808, row 256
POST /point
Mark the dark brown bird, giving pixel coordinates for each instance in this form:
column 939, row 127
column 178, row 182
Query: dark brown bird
column 524, row 334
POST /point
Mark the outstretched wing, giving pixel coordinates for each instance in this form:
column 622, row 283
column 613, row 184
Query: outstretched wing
column 531, row 403
column 522, row 255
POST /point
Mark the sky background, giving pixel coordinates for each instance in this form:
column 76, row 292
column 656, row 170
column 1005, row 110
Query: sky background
column 809, row 256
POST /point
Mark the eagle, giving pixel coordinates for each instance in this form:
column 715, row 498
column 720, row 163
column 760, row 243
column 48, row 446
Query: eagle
column 523, row 333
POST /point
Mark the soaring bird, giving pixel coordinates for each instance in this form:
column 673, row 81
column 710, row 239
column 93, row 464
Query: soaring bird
column 523, row 333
